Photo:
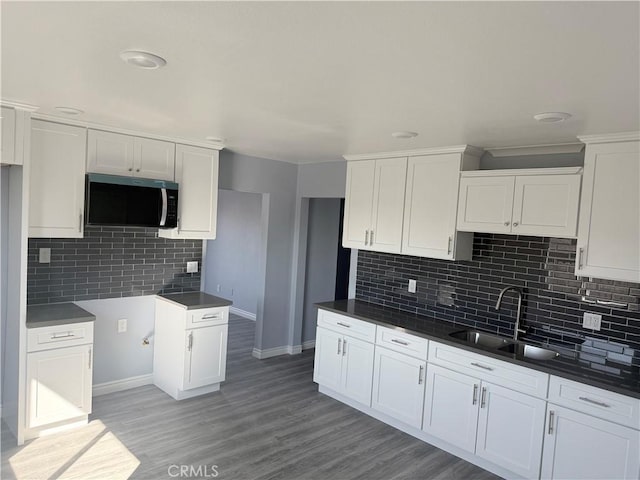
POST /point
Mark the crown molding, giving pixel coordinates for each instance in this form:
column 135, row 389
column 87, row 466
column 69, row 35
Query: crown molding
column 610, row 137
column 125, row 131
column 18, row 105
column 535, row 149
column 468, row 149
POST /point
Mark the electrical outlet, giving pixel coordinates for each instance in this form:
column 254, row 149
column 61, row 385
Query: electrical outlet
column 218, row 288
column 45, row 255
column 192, row 267
column 412, row 286
column 122, row 325
column 592, row 321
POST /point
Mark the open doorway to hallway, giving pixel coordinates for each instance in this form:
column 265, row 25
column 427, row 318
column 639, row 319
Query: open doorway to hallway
column 327, row 262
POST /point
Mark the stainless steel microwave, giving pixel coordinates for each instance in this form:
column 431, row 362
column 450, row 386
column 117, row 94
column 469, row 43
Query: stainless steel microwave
column 130, row 201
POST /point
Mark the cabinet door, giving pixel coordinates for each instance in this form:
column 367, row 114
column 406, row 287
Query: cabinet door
column 153, row 159
column 8, row 142
column 431, row 204
column 546, row 205
column 357, row 369
column 56, row 205
column 398, row 386
column 206, row 359
column 580, row 446
column 197, row 177
column 510, row 429
column 451, row 407
column 110, row 153
column 59, row 385
column 358, row 203
column 609, row 229
column 327, row 367
column 388, row 205
column 486, row 204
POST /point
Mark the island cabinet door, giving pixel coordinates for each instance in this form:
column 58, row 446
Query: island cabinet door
column 577, row 445
column 451, row 407
column 510, row 429
column 59, row 384
column 206, row 356
column 398, row 386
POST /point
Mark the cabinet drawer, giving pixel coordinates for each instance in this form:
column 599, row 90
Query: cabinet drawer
column 402, row 342
column 480, row 366
column 595, row 401
column 347, row 325
column 47, row 338
column 205, row 317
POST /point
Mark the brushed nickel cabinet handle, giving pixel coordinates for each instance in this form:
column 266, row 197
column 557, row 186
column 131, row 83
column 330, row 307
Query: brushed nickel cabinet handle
column 483, row 400
column 580, row 256
column 344, row 347
column 395, row 340
column 131, row 169
column 551, row 415
column 55, row 336
column 366, row 237
column 482, row 366
column 594, row 402
column 506, row 224
column 449, row 245
column 475, row 394
column 420, row 370
column 190, row 347
column 344, row 325
column 515, row 224
column 80, row 222
column 209, row 315
column 371, row 238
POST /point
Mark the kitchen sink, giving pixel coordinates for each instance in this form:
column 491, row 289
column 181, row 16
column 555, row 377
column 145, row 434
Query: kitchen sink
column 481, row 338
column 530, row 351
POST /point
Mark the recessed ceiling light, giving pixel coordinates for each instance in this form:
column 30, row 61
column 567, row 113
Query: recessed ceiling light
column 69, row 110
column 145, row 60
column 404, row 134
column 552, row 117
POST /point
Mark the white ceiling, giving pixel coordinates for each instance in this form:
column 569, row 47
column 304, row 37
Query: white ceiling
column 310, row 81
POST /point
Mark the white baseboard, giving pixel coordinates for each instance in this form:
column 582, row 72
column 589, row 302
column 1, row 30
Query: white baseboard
column 276, row 351
column 243, row 313
column 308, row 345
column 124, row 384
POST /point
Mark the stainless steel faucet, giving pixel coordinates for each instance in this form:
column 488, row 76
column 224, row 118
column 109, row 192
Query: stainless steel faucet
column 516, row 328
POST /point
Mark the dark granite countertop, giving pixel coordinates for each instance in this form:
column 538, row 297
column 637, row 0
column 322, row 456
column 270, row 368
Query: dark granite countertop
column 194, row 300
column 53, row 314
column 626, row 381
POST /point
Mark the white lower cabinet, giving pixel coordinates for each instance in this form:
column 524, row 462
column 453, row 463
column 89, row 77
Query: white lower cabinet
column 398, row 386
column 190, row 351
column 496, row 423
column 59, row 376
column 580, row 446
column 344, row 364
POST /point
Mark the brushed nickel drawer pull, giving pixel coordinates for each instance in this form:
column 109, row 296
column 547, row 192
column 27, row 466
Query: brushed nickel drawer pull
column 551, row 414
column 55, row 336
column 395, row 340
column 210, row 315
column 344, row 325
column 594, row 402
column 482, row 366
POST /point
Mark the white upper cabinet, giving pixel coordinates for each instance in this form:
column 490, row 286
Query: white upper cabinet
column 374, row 204
column 197, row 178
column 118, row 154
column 609, row 231
column 7, row 151
column 541, row 202
column 56, row 203
column 431, row 206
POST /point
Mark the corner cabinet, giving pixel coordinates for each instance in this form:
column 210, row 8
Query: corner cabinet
column 56, row 186
column 126, row 155
column 197, row 178
column 609, row 232
column 190, row 351
column 542, row 202
column 406, row 202
column 374, row 204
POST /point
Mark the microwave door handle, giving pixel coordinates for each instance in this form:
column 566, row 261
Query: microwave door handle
column 163, row 216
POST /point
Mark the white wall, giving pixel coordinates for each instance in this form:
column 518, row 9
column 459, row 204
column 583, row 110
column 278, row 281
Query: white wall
column 118, row 356
column 322, row 253
column 232, row 259
column 4, row 251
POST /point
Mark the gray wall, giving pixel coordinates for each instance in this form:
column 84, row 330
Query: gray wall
column 322, row 180
column 232, row 259
column 277, row 181
column 322, row 252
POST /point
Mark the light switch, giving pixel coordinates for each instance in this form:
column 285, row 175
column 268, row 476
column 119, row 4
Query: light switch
column 412, row 286
column 44, row 255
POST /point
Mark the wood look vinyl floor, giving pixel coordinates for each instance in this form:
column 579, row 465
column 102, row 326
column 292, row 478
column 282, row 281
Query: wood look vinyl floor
column 267, row 422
